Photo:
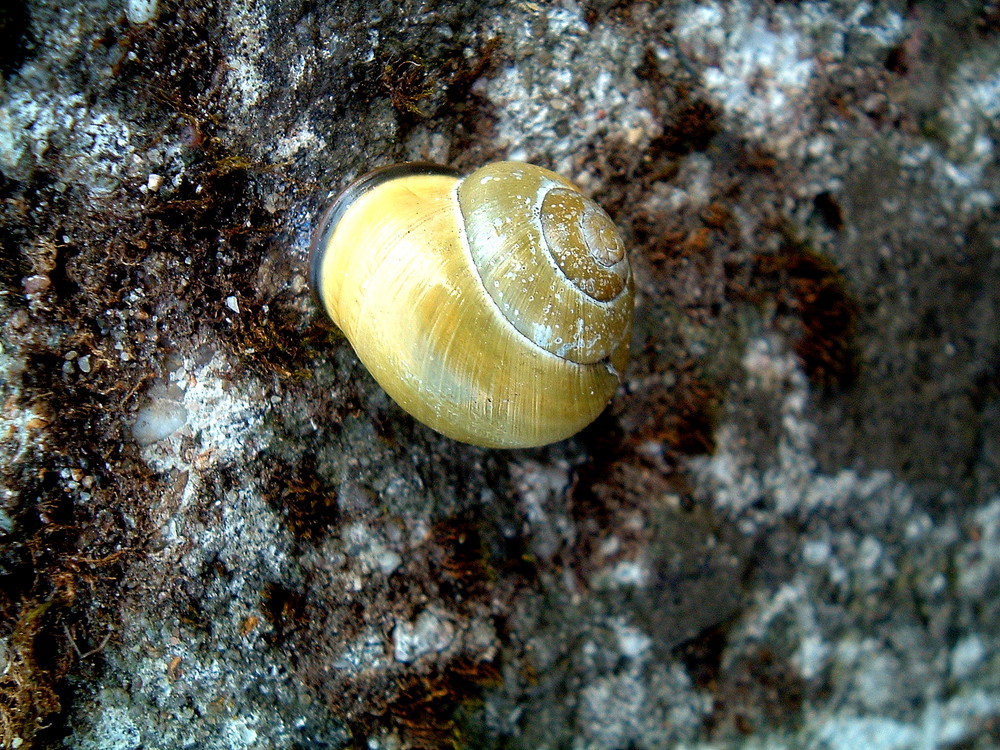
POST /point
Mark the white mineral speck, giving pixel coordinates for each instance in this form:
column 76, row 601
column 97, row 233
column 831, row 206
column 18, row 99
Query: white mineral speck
column 154, row 182
column 388, row 562
column 967, row 656
column 431, row 633
column 632, row 642
column 161, row 416
column 140, row 11
column 233, row 304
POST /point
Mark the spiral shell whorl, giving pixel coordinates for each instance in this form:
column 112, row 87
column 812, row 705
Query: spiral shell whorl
column 550, row 259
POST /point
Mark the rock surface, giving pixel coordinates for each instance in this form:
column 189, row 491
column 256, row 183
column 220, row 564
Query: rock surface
column 217, row 532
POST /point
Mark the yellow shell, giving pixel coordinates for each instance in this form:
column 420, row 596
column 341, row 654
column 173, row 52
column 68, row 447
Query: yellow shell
column 495, row 308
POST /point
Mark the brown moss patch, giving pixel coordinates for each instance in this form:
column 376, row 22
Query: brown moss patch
column 36, row 663
column 809, row 289
column 761, row 689
column 690, row 126
column 702, row 656
column 297, row 492
column 461, row 557
column 682, row 418
column 421, row 87
column 425, row 713
column 408, row 84
column 327, row 622
column 284, row 609
column 619, row 476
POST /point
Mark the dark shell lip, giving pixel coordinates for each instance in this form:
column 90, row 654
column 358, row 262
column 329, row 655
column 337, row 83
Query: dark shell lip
column 332, row 216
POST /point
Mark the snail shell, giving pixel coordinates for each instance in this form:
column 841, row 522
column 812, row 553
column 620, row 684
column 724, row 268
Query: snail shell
column 495, row 308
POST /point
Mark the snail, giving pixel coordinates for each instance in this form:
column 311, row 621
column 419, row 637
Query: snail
column 495, row 308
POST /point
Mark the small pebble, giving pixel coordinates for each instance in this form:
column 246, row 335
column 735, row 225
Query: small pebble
column 19, row 319
column 35, row 284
